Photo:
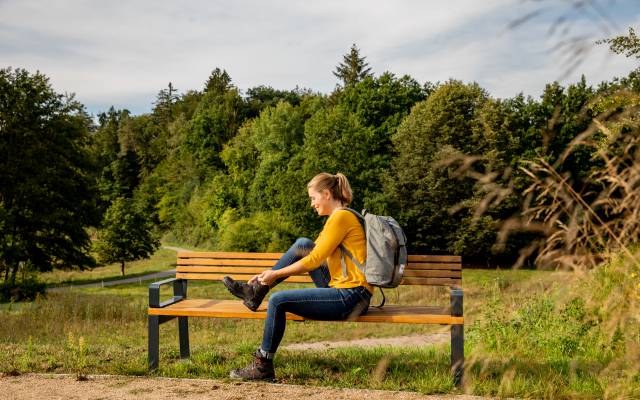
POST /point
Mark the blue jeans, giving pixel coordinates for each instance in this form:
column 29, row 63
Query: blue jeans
column 320, row 303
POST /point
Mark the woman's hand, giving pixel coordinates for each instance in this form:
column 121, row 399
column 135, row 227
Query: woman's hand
column 253, row 280
column 267, row 277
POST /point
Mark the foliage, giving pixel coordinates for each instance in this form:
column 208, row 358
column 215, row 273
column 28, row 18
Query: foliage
column 248, row 234
column 47, row 196
column 353, row 67
column 25, row 289
column 126, row 234
column 628, row 45
column 446, row 124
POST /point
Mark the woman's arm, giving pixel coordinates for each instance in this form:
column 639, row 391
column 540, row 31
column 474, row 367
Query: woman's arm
column 269, row 276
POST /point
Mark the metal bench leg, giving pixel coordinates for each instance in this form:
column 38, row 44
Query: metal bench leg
column 457, row 354
column 457, row 338
column 183, row 333
column 154, row 341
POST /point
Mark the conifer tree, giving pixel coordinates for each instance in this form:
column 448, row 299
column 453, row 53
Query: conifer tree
column 353, row 68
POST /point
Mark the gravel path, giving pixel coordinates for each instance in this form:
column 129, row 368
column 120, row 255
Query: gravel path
column 66, row 387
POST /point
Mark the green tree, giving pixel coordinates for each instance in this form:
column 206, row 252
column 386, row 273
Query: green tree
column 353, row 67
column 126, row 234
column 47, row 196
column 628, row 45
column 445, row 126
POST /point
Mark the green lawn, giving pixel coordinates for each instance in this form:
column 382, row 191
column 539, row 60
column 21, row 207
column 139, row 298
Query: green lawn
column 162, row 260
column 527, row 336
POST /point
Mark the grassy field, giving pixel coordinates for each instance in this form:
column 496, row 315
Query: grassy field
column 529, row 334
column 162, row 260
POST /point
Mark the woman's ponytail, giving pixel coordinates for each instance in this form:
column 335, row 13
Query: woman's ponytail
column 338, row 185
column 346, row 195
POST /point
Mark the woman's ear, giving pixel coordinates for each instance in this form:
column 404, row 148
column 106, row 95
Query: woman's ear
column 326, row 194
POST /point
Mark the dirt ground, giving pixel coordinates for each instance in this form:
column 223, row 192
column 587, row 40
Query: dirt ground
column 402, row 341
column 66, row 387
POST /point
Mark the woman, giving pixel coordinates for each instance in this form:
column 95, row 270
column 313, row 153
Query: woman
column 340, row 292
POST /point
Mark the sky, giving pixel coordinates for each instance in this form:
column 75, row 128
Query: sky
column 122, row 53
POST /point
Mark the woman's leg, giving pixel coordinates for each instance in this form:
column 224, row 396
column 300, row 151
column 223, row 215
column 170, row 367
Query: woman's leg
column 318, row 303
column 252, row 295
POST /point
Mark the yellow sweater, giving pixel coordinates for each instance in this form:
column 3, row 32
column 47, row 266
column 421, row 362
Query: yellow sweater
column 342, row 227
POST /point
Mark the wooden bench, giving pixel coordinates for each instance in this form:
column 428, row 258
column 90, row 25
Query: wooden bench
column 213, row 266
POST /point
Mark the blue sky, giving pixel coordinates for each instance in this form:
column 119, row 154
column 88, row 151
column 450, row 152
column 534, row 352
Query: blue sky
column 122, row 53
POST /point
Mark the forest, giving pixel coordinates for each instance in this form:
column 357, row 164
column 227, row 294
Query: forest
column 226, row 169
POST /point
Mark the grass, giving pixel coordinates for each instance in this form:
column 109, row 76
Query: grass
column 529, row 334
column 519, row 343
column 162, row 260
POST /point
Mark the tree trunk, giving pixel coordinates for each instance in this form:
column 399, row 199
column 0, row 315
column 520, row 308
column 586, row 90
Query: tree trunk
column 122, row 267
column 14, row 272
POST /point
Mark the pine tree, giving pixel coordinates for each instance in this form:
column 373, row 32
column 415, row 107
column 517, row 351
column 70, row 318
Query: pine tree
column 353, row 69
column 164, row 102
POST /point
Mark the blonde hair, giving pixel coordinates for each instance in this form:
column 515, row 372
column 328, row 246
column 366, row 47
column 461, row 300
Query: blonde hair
column 337, row 185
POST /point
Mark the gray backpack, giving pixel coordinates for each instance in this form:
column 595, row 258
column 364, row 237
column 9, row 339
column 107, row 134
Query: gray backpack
column 386, row 251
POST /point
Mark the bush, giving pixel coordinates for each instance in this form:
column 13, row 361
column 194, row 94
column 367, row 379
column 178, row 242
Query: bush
column 24, row 290
column 261, row 232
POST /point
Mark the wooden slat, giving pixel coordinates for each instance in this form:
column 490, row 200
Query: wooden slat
column 270, row 263
column 430, row 258
column 427, row 265
column 433, row 274
column 275, row 256
column 211, row 269
column 235, row 309
column 224, row 254
column 238, row 262
column 431, row 281
column 307, row 279
column 218, row 277
column 220, row 269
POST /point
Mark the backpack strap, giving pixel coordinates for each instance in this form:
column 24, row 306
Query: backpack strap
column 343, row 251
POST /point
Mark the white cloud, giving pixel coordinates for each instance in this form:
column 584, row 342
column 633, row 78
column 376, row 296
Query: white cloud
column 124, row 52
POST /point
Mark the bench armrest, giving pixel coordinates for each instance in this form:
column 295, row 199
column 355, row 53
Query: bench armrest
column 179, row 292
column 456, row 302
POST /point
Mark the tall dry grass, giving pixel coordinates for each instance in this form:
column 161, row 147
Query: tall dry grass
column 589, row 225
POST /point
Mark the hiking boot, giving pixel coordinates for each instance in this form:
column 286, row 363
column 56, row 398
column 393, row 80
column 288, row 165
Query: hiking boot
column 251, row 295
column 261, row 368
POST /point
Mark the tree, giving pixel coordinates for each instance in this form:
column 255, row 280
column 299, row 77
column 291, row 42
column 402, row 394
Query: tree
column 353, row 68
column 126, row 234
column 164, row 103
column 445, row 126
column 47, row 197
column 219, row 82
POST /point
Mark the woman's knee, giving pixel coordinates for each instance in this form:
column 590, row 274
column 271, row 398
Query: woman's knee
column 276, row 299
column 303, row 246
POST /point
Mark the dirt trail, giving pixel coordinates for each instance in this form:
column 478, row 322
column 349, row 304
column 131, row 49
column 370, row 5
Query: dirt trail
column 40, row 386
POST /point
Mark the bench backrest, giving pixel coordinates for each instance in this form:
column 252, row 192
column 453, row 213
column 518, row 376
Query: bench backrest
column 421, row 269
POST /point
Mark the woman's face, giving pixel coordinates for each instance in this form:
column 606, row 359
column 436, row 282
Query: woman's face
column 321, row 201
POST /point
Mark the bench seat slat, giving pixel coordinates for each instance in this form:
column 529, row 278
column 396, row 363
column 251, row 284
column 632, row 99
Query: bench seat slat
column 429, row 258
column 429, row 265
column 431, row 281
column 432, row 274
column 276, row 256
column 271, row 263
column 220, row 269
column 227, row 254
column 235, row 309
column 236, row 276
column 257, row 270
column 307, row 279
column 229, row 262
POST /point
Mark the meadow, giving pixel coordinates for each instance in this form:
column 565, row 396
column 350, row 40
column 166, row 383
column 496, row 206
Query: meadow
column 529, row 333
